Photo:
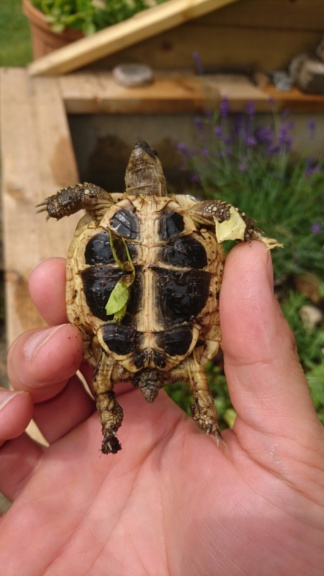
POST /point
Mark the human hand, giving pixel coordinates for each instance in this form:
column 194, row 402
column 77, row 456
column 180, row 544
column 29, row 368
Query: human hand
column 171, row 502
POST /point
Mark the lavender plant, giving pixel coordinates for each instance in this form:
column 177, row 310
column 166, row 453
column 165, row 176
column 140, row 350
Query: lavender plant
column 252, row 166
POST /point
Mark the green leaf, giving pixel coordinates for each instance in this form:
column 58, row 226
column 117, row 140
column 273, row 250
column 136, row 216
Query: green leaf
column 118, row 299
column 120, row 252
column 117, row 302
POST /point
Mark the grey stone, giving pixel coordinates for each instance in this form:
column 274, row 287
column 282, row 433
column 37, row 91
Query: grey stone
column 308, row 74
column 133, row 74
column 311, row 316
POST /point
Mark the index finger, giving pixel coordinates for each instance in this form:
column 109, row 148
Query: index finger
column 49, row 277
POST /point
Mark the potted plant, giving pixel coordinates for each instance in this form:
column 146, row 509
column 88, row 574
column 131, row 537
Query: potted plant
column 55, row 23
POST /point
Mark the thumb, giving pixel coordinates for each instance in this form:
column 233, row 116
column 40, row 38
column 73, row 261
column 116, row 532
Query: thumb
column 266, row 382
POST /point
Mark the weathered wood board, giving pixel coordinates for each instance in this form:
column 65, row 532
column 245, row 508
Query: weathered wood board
column 220, row 48
column 97, row 93
column 37, row 159
column 269, row 14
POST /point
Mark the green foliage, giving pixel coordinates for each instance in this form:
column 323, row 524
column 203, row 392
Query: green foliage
column 251, row 166
column 15, row 44
column 89, row 16
column 310, row 346
column 309, row 341
column 316, row 384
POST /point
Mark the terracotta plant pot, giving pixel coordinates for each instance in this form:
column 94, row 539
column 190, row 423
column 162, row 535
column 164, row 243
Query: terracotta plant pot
column 44, row 40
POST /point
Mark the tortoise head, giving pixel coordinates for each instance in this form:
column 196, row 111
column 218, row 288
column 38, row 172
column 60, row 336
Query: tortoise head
column 144, row 173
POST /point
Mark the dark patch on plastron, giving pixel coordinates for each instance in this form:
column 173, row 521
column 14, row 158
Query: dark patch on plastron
column 181, row 295
column 98, row 283
column 98, row 250
column 118, row 338
column 125, row 223
column 175, row 342
column 171, row 224
column 185, row 251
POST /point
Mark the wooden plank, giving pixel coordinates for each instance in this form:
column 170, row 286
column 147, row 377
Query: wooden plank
column 289, row 14
column 37, row 159
column 87, row 93
column 219, row 48
column 239, row 90
column 144, row 25
column 294, row 100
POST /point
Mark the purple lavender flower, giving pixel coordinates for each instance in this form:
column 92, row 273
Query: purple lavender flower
column 183, row 148
column 249, row 140
column 316, row 228
column 239, row 126
column 205, row 151
column 265, row 135
column 272, row 150
column 284, row 138
column 219, row 133
column 224, row 108
column 197, row 62
column 311, row 167
column 311, row 125
column 199, row 124
column 250, row 108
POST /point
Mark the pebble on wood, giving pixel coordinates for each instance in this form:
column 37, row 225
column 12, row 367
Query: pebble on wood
column 131, row 75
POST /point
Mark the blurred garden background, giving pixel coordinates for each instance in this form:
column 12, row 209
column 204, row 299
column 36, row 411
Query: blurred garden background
column 15, row 43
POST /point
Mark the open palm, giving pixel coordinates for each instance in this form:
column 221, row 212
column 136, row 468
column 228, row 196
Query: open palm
column 171, row 502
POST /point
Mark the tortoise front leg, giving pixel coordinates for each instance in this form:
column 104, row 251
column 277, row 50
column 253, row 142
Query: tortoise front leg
column 203, row 408
column 110, row 412
column 92, row 198
column 228, row 220
column 230, row 223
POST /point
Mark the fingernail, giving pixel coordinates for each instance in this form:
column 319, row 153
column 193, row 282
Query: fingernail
column 7, row 395
column 37, row 340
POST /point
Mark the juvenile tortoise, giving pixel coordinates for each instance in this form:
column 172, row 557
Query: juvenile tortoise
column 144, row 273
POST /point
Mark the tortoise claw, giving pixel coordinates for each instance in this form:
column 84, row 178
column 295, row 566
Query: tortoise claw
column 110, row 444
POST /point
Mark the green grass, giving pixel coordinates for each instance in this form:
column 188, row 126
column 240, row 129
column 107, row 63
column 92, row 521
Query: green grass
column 15, row 43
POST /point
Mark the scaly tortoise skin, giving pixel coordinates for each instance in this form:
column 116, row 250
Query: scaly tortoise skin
column 144, row 273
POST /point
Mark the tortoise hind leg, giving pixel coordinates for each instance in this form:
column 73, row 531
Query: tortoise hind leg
column 203, row 409
column 110, row 412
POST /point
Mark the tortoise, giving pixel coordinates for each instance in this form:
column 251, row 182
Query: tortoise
column 144, row 273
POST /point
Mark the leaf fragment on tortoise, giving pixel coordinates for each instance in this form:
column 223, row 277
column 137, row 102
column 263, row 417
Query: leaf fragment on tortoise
column 118, row 299
column 236, row 228
column 231, row 229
